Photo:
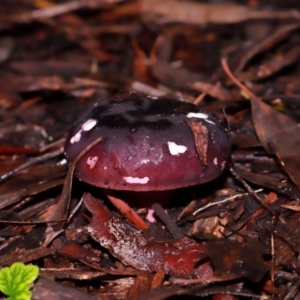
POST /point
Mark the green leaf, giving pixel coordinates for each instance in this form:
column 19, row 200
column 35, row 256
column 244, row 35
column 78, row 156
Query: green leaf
column 16, row 280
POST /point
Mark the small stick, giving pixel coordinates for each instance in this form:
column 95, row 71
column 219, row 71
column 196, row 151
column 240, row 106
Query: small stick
column 199, row 98
column 234, row 173
column 31, row 162
column 63, row 203
column 211, row 204
column 169, row 223
column 235, row 80
column 272, row 271
column 28, row 222
column 251, row 192
column 73, row 212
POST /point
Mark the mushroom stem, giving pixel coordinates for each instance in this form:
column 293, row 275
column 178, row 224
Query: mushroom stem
column 147, row 199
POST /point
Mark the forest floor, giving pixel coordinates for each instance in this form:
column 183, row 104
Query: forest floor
column 237, row 60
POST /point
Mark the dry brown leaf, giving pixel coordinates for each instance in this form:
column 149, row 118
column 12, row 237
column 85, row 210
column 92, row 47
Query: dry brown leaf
column 202, row 13
column 280, row 134
column 215, row 90
column 200, row 133
column 293, row 205
column 141, row 285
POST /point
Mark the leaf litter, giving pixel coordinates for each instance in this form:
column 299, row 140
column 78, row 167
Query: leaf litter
column 58, row 59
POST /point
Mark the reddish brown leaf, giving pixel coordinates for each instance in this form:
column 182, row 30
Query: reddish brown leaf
column 52, row 290
column 158, row 279
column 179, row 78
column 177, row 257
column 141, row 285
column 238, row 259
column 76, row 252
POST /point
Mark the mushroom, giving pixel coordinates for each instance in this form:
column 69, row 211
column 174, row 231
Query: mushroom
column 148, row 144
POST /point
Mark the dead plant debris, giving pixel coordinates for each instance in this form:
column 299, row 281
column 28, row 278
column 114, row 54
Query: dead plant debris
column 236, row 237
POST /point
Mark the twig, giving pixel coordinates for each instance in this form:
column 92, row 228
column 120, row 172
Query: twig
column 293, row 291
column 64, row 200
column 169, row 223
column 272, row 246
column 56, row 10
column 31, row 162
column 73, row 212
column 251, row 192
column 235, row 80
column 223, row 201
column 238, row 177
column 28, row 222
column 199, row 98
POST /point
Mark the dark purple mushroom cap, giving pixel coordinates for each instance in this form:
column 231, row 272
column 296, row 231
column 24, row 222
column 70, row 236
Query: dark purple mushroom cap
column 147, row 144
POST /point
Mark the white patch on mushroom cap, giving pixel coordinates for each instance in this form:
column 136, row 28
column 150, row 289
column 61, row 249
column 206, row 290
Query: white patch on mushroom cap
column 137, row 180
column 88, row 125
column 91, row 161
column 223, row 164
column 145, row 161
column 176, row 149
column 197, row 115
column 200, row 116
column 76, row 137
column 215, row 161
